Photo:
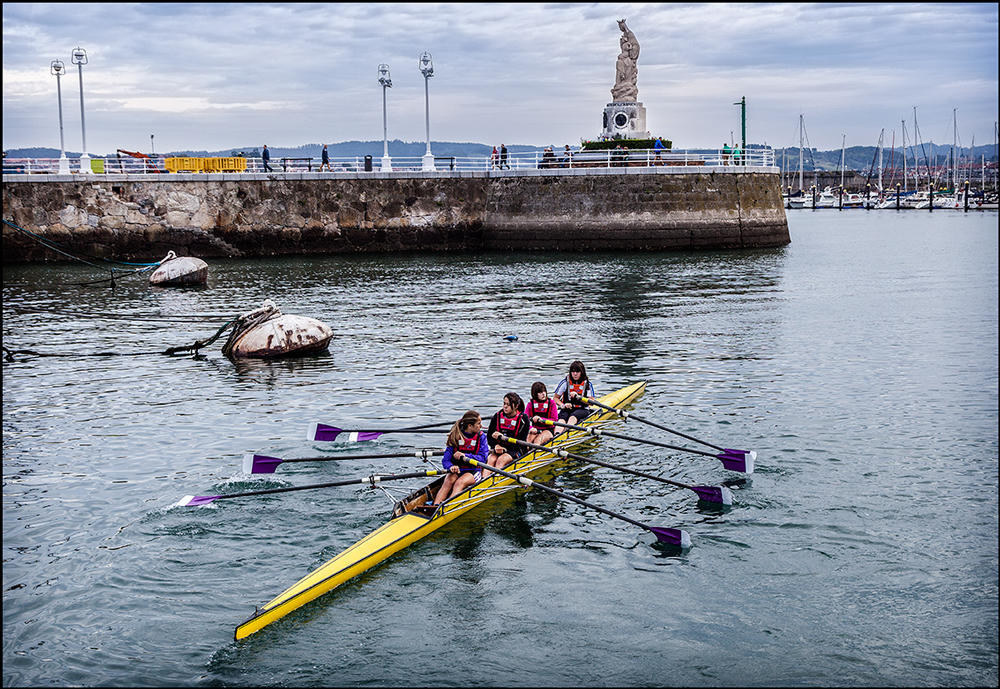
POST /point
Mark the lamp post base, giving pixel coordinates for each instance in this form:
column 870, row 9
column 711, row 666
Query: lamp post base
column 386, row 164
column 85, row 165
column 428, row 162
column 64, row 165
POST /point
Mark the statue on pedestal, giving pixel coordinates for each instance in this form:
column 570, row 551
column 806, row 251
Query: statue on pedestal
column 626, row 69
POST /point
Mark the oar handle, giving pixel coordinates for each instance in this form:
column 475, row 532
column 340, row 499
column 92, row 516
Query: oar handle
column 628, row 415
column 673, row 536
column 599, row 432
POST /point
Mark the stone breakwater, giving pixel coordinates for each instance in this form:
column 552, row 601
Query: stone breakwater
column 138, row 217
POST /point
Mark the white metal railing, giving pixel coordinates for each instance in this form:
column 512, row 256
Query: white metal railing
column 530, row 160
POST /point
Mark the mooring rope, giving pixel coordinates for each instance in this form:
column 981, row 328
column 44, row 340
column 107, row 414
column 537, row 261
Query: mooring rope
column 240, row 324
column 53, row 245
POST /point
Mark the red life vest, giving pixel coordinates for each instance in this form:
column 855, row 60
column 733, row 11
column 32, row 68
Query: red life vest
column 574, row 390
column 540, row 408
column 469, row 446
column 509, row 427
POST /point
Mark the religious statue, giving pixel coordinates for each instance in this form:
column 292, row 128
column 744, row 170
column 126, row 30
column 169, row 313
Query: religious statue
column 626, row 71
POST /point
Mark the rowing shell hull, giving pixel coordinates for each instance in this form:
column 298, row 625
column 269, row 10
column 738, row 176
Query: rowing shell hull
column 412, row 522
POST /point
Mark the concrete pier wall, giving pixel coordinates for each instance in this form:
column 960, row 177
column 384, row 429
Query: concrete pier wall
column 142, row 217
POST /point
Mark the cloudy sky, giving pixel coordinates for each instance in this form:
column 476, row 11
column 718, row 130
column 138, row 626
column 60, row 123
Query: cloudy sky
column 218, row 76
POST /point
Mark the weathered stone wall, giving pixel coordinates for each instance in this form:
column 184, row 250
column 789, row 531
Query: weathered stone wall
column 143, row 219
column 639, row 212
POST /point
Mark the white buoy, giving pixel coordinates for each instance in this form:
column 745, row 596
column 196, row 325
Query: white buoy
column 174, row 271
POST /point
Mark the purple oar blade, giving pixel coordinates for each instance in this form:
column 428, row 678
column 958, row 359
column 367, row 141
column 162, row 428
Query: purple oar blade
column 194, row 500
column 323, row 433
column 677, row 537
column 737, row 460
column 719, row 494
column 260, row 464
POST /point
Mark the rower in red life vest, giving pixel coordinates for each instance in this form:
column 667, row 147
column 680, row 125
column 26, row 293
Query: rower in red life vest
column 543, row 406
column 511, row 422
column 576, row 384
column 466, row 438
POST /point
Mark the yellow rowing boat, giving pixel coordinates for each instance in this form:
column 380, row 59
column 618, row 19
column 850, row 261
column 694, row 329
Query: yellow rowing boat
column 412, row 520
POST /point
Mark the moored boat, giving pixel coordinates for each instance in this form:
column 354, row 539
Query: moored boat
column 412, row 520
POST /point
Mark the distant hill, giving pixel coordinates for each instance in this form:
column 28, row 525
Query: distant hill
column 856, row 157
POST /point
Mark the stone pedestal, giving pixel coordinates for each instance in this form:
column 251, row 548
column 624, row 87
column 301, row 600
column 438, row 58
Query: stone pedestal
column 627, row 119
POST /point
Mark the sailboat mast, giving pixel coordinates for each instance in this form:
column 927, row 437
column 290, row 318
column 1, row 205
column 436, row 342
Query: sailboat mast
column 843, row 149
column 881, row 140
column 903, row 122
column 800, row 153
column 954, row 141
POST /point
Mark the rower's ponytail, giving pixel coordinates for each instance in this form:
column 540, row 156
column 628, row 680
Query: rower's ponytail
column 468, row 420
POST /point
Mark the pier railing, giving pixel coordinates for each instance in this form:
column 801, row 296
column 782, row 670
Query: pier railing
column 555, row 160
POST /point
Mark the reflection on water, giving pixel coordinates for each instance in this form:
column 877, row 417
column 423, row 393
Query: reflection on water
column 860, row 361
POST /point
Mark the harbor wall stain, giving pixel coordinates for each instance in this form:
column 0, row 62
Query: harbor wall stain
column 143, row 219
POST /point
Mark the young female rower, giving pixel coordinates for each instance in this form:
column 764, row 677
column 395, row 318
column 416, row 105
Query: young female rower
column 545, row 407
column 511, row 422
column 576, row 384
column 466, row 439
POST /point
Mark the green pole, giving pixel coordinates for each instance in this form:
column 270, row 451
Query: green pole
column 743, row 123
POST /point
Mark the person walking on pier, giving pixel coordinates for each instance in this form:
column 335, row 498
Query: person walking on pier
column 658, row 148
column 494, row 159
column 266, row 157
column 725, row 153
column 736, row 155
column 503, row 157
column 326, row 160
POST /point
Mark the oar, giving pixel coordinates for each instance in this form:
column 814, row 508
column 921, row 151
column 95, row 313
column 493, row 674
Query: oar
column 262, row 464
column 192, row 500
column 320, row 432
column 719, row 494
column 677, row 537
column 739, row 455
column 733, row 462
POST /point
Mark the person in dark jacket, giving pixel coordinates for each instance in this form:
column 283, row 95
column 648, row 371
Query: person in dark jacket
column 326, row 160
column 266, row 156
column 503, row 157
column 511, row 422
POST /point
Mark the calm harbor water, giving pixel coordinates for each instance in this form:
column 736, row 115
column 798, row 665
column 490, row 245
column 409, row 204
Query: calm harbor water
column 860, row 362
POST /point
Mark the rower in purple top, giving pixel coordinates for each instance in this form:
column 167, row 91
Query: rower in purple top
column 543, row 406
column 576, row 384
column 466, row 439
column 511, row 422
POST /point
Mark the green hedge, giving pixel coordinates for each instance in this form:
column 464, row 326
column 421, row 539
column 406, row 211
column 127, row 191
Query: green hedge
column 624, row 143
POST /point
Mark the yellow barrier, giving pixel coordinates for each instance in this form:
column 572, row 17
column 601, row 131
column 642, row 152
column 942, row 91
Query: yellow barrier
column 183, row 164
column 206, row 164
column 97, row 165
column 225, row 164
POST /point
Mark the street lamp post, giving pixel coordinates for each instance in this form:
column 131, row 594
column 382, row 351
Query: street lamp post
column 386, row 81
column 79, row 57
column 427, row 69
column 58, row 69
column 151, row 149
column 743, row 125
